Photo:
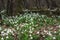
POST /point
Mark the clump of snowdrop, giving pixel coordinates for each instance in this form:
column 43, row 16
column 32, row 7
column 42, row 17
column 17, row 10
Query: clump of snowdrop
column 6, row 32
column 28, row 24
column 3, row 34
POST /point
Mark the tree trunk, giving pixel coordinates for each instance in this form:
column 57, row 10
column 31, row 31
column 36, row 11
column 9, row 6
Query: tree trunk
column 10, row 7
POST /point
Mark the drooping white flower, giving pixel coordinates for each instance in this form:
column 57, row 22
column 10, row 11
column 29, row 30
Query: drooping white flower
column 7, row 37
column 16, row 25
column 36, row 25
column 31, row 37
column 16, row 21
column 59, row 33
column 17, row 28
column 59, row 26
column 3, row 11
column 25, row 30
column 45, row 31
column 2, row 38
column 43, row 35
column 54, row 37
column 5, row 29
column 32, row 28
column 30, row 31
column 37, row 32
column 2, row 32
column 13, row 22
column 55, row 32
column 31, row 19
column 13, row 34
column 22, row 32
column 49, row 33
column 0, row 28
column 8, row 31
column 43, row 16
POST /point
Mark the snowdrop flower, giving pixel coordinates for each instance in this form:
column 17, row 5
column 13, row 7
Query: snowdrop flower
column 2, row 32
column 59, row 33
column 13, row 16
column 5, row 34
column 22, row 25
column 54, row 37
column 22, row 32
column 3, row 11
column 43, row 16
column 36, row 25
column 7, row 37
column 49, row 33
column 37, row 32
column 59, row 29
column 13, row 22
column 55, row 32
column 59, row 26
column 31, row 19
column 2, row 38
column 45, row 31
column 8, row 31
column 17, row 28
column 16, row 21
column 9, row 20
column 43, row 35
column 0, row 28
column 5, row 29
column 32, row 28
column 25, row 10
column 51, row 28
column 16, row 16
column 31, row 22
column 16, row 25
column 13, row 34
column 25, row 30
column 30, row 31
column 31, row 37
